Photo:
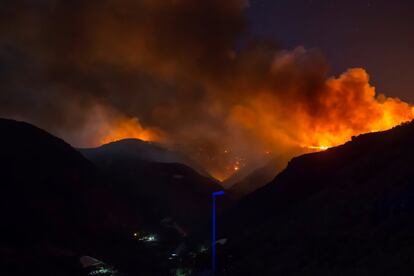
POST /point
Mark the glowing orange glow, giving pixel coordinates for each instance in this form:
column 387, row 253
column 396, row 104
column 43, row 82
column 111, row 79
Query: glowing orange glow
column 340, row 109
column 318, row 147
column 351, row 107
column 218, row 176
column 282, row 124
column 129, row 128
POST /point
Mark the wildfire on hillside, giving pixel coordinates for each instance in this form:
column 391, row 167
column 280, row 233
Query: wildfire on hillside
column 345, row 107
column 183, row 73
column 128, row 128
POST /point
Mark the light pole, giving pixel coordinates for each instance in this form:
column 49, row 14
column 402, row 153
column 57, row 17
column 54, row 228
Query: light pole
column 213, row 231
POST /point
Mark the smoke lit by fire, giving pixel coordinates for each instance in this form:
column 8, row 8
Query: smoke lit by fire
column 339, row 109
column 346, row 106
column 128, row 128
column 176, row 72
column 343, row 107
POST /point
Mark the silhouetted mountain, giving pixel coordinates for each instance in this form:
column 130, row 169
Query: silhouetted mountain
column 57, row 206
column 146, row 151
column 141, row 150
column 44, row 177
column 153, row 186
column 53, row 203
column 257, row 173
column 256, row 179
column 345, row 211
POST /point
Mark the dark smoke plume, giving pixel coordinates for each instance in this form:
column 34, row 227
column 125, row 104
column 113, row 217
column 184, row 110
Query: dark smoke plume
column 177, row 71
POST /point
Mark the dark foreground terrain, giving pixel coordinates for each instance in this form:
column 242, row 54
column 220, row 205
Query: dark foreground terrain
column 345, row 211
column 57, row 206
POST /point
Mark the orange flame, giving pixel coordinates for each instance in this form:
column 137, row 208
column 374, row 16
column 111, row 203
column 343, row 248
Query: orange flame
column 129, row 128
column 288, row 123
column 352, row 108
column 344, row 107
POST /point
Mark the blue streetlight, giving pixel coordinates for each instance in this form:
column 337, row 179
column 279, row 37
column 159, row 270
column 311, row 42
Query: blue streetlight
column 213, row 234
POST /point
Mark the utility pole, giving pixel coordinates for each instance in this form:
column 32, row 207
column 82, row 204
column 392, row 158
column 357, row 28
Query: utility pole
column 213, row 233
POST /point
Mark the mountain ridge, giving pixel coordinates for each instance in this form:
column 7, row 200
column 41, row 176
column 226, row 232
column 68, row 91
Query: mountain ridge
column 336, row 212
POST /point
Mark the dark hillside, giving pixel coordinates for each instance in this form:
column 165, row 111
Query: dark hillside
column 153, row 185
column 346, row 211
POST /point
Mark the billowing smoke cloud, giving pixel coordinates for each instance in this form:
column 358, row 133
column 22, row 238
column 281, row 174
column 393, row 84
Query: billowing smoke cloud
column 177, row 71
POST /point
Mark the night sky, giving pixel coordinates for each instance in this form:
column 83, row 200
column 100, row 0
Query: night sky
column 375, row 35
